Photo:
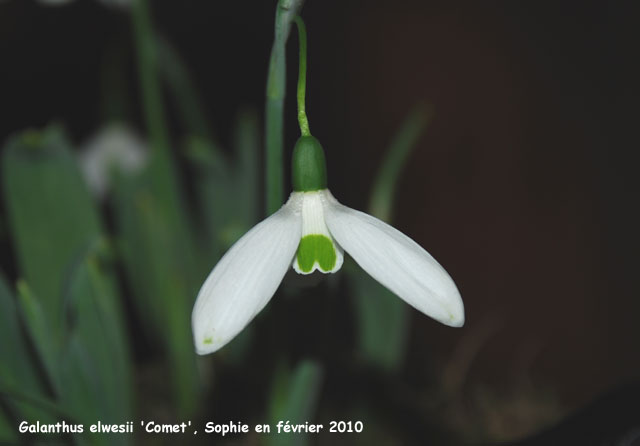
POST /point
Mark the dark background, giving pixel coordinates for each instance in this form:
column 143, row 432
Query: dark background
column 524, row 186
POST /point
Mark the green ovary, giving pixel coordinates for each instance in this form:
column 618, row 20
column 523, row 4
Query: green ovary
column 316, row 248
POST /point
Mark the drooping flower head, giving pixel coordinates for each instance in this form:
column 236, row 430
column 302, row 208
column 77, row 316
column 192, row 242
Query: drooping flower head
column 310, row 232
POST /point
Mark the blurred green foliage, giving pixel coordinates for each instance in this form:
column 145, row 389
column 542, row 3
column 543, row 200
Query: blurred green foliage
column 227, row 216
column 51, row 215
column 68, row 300
column 294, row 398
column 18, row 375
column 153, row 257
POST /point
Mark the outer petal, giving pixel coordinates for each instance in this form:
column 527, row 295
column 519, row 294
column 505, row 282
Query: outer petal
column 397, row 262
column 245, row 279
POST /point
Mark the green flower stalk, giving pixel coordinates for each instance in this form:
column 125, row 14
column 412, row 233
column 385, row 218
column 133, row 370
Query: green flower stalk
column 310, row 232
column 274, row 109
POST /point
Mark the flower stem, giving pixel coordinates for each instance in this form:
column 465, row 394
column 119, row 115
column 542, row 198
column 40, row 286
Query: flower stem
column 302, row 77
column 274, row 110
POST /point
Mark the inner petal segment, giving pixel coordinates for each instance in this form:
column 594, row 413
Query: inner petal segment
column 317, row 249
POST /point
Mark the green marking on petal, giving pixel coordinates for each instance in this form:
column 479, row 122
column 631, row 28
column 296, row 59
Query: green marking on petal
column 208, row 340
column 316, row 248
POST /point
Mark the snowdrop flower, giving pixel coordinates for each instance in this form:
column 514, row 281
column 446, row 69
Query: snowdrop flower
column 115, row 146
column 311, row 232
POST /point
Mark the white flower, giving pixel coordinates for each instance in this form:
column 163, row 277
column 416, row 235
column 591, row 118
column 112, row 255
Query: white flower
column 310, row 233
column 115, row 146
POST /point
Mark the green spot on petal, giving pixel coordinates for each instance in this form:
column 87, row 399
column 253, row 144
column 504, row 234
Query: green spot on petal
column 208, row 341
column 316, row 248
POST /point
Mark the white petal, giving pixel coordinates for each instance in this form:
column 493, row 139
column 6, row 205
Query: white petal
column 397, row 262
column 245, row 279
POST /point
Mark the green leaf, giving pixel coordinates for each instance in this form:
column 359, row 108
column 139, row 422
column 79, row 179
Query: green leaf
column 51, row 217
column 97, row 346
column 54, row 226
column 247, row 166
column 176, row 75
column 383, row 191
column 162, row 180
column 18, row 371
column 157, row 236
column 115, row 101
column 214, row 186
column 382, row 321
column 156, row 266
column 227, row 190
column 38, row 327
column 48, row 410
column 8, row 432
column 84, row 396
column 294, row 398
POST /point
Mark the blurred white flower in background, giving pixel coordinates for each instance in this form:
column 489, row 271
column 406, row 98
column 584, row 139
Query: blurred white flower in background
column 115, row 146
